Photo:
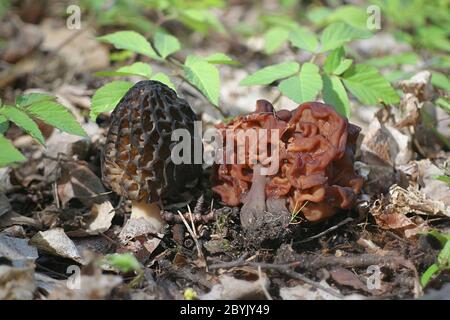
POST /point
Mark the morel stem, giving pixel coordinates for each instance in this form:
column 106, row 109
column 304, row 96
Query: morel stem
column 150, row 212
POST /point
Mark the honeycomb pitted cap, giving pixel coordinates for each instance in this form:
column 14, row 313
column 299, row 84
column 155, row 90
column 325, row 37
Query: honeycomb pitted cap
column 136, row 161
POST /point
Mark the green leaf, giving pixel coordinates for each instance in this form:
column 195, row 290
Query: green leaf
column 440, row 80
column 274, row 39
column 136, row 69
column 130, row 40
column 220, row 58
column 161, row 77
column 9, row 153
column 303, row 87
column 428, row 274
column 444, row 256
column 107, row 97
column 369, row 86
column 343, row 66
column 304, row 39
column 57, row 116
column 166, row 44
column 334, row 94
column 443, row 103
column 271, row 73
column 204, row 76
column 28, row 99
column 336, row 34
column 439, row 236
column 350, row 14
column 125, row 262
column 22, row 120
column 445, row 179
column 4, row 124
column 333, row 60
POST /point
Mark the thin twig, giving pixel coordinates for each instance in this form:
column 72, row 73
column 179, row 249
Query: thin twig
column 192, row 233
column 263, row 287
column 340, row 224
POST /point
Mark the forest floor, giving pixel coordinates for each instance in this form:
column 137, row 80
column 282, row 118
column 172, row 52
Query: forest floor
column 56, row 238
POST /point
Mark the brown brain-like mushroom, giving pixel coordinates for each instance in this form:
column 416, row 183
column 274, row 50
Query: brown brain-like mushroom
column 316, row 154
column 137, row 160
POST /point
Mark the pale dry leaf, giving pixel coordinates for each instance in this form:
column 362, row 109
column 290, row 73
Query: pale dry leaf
column 94, row 287
column 231, row 288
column 57, row 243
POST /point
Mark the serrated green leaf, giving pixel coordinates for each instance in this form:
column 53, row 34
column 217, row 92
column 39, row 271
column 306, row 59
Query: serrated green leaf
column 161, row 77
column 440, row 80
column 271, row 73
column 9, row 153
column 4, row 124
column 350, row 14
column 166, row 44
column 303, row 87
column 304, row 39
column 220, row 58
column 28, row 99
column 23, row 121
column 204, row 76
column 368, row 85
column 57, row 116
column 336, row 34
column 130, row 40
column 333, row 60
column 107, row 97
column 334, row 94
column 136, row 69
column 343, row 66
column 274, row 39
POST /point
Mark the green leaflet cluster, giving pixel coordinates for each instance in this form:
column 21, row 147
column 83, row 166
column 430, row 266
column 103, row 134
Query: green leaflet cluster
column 200, row 72
column 27, row 109
column 334, row 79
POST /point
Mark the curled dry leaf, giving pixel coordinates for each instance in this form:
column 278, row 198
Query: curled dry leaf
column 17, row 283
column 78, row 181
column 232, row 289
column 56, row 242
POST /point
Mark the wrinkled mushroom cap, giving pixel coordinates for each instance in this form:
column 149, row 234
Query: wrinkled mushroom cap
column 137, row 160
column 316, row 158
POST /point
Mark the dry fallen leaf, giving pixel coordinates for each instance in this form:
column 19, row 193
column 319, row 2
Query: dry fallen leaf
column 94, row 287
column 5, row 206
column 78, row 181
column 56, row 242
column 390, row 212
column 231, row 288
column 17, row 250
column 347, row 278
